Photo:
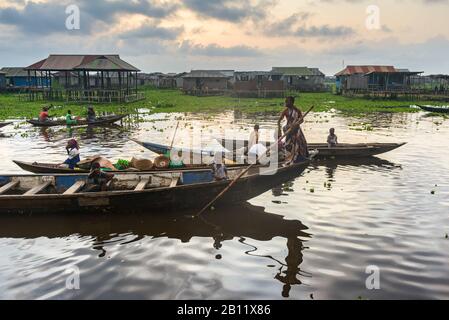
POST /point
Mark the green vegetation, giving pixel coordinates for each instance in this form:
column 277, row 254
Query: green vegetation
column 175, row 101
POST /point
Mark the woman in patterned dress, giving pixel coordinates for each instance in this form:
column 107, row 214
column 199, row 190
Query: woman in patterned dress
column 295, row 143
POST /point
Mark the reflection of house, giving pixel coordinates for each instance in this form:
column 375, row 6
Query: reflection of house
column 258, row 84
column 374, row 78
column 301, row 78
column 17, row 77
column 205, row 82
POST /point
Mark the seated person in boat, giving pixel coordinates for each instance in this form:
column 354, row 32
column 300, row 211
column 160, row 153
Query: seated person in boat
column 295, row 141
column 219, row 169
column 43, row 115
column 332, row 140
column 91, row 116
column 73, row 151
column 69, row 118
column 176, row 160
column 98, row 180
column 254, row 137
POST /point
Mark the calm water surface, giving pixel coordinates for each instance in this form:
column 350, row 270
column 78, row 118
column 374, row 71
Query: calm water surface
column 288, row 243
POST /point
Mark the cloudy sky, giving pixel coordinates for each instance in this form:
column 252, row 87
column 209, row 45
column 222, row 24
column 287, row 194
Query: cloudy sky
column 175, row 35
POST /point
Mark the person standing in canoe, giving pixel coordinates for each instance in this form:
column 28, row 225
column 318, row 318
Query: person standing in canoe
column 295, row 143
column 69, row 119
column 73, row 151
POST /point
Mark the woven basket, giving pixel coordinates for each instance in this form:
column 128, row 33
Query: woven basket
column 162, row 162
column 142, row 164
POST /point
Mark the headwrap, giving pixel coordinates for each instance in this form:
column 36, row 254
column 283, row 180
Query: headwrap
column 72, row 144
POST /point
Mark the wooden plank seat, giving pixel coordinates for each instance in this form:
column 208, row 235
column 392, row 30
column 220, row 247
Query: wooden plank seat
column 38, row 189
column 142, row 184
column 174, row 181
column 9, row 186
column 75, row 188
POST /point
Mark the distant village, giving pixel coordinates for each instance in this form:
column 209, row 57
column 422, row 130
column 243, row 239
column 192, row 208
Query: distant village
column 108, row 78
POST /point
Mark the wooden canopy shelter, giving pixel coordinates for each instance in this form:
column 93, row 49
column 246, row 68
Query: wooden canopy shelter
column 83, row 78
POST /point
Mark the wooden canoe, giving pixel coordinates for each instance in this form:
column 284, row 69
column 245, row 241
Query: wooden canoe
column 100, row 121
column 4, row 124
column 54, row 168
column 151, row 193
column 342, row 151
column 435, row 109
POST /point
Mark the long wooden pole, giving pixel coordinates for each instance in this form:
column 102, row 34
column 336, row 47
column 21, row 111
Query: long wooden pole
column 233, row 182
column 174, row 136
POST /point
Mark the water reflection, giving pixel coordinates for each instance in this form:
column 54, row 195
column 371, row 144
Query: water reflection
column 246, row 223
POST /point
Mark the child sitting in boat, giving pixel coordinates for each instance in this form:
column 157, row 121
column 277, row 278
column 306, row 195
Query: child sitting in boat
column 219, row 169
column 98, row 180
column 332, row 140
column 73, row 151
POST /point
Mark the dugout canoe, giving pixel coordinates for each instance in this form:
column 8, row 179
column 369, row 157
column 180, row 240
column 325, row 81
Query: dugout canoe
column 100, row 121
column 4, row 124
column 54, row 168
column 151, row 193
column 435, row 109
column 342, row 151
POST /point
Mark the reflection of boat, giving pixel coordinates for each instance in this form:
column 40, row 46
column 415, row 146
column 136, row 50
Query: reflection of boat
column 4, row 124
column 156, row 192
column 98, row 122
column 55, row 168
column 435, row 109
column 244, row 222
column 343, row 150
column 235, row 221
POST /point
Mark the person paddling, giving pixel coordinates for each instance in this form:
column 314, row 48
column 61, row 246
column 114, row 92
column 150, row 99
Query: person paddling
column 295, row 143
column 43, row 115
column 91, row 116
column 69, row 119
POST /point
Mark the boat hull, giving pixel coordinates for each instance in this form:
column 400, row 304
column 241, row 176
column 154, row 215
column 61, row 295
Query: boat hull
column 435, row 109
column 4, row 124
column 343, row 151
column 100, row 122
column 52, row 168
column 189, row 196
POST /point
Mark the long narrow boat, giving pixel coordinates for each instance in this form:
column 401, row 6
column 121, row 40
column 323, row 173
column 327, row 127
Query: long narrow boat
column 152, row 193
column 4, row 124
column 342, row 151
column 100, row 121
column 54, row 168
column 435, row 109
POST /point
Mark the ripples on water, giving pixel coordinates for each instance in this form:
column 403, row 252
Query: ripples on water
column 287, row 243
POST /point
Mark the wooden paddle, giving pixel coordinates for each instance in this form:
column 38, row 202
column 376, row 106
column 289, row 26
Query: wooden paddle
column 252, row 165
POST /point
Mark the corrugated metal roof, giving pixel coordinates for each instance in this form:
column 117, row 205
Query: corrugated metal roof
column 206, row 74
column 298, row 71
column 83, row 62
column 14, row 72
column 349, row 70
